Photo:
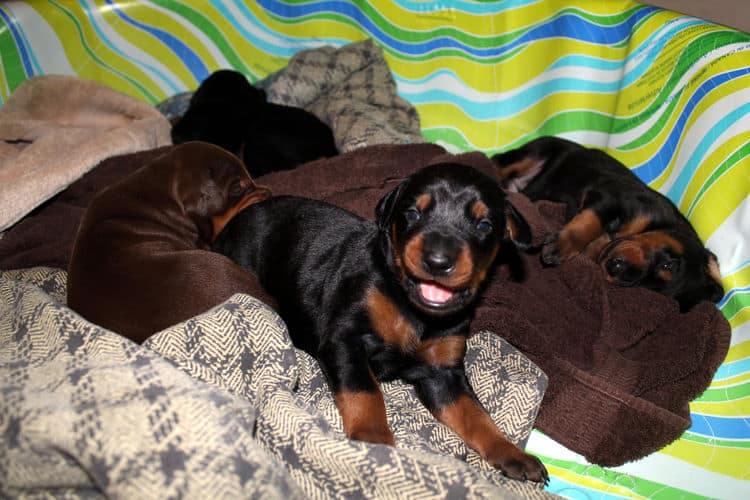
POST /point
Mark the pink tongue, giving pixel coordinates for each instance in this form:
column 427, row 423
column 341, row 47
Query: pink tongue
column 434, row 293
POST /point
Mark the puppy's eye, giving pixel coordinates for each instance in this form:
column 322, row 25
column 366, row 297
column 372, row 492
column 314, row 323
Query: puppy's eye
column 235, row 189
column 484, row 226
column 413, row 215
column 669, row 266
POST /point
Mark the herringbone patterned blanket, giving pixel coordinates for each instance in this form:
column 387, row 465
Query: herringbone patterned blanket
column 221, row 406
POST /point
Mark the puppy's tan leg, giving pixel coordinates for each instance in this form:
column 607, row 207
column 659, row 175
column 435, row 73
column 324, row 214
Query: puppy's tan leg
column 467, row 419
column 582, row 229
column 363, row 413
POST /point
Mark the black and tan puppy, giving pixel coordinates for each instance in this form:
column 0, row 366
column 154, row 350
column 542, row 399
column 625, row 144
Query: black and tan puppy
column 638, row 235
column 228, row 111
column 393, row 299
column 140, row 261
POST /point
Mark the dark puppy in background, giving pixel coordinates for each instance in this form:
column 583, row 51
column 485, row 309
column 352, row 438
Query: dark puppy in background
column 637, row 235
column 379, row 301
column 228, row 111
column 139, row 260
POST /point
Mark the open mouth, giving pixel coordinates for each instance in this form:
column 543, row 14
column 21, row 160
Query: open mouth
column 434, row 293
column 435, row 298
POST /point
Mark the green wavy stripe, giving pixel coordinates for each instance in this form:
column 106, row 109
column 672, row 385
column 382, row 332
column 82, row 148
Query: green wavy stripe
column 715, row 442
column 388, row 27
column 688, row 57
column 447, row 135
column 13, row 73
column 563, row 122
column 725, row 394
column 637, row 485
column 741, row 155
column 435, row 55
column 652, row 133
column 735, row 304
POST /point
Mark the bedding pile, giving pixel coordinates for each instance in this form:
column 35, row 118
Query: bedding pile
column 221, row 405
column 55, row 128
column 349, row 88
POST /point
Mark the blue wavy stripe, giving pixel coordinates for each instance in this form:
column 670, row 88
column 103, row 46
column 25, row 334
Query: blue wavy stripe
column 720, row 427
column 651, row 169
column 518, row 103
column 733, row 291
column 584, row 61
column 193, row 62
column 565, row 26
column 18, row 38
column 102, row 36
column 712, row 135
column 574, row 491
column 468, row 7
column 732, row 369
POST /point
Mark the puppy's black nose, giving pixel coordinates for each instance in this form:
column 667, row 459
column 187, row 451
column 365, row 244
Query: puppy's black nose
column 438, row 262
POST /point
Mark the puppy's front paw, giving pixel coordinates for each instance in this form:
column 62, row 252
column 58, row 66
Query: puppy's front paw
column 520, row 466
column 373, row 434
column 551, row 250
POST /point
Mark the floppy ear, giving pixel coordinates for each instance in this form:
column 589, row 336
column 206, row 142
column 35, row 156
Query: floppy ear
column 517, row 229
column 384, row 208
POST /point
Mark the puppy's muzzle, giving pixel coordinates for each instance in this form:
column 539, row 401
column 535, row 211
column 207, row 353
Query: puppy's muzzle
column 439, row 254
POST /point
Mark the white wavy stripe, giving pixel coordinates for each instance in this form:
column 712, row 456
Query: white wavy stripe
column 730, row 240
column 43, row 39
column 657, row 467
column 633, row 134
column 694, row 134
column 449, row 82
column 133, row 53
column 206, row 42
column 740, row 334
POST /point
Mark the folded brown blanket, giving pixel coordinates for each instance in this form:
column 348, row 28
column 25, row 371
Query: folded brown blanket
column 54, row 128
column 622, row 363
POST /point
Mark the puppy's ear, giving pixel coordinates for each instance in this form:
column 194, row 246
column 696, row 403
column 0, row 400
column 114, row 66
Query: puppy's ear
column 517, row 229
column 384, row 208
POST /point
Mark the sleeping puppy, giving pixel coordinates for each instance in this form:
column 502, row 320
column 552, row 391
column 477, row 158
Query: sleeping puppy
column 389, row 300
column 139, row 260
column 229, row 112
column 636, row 234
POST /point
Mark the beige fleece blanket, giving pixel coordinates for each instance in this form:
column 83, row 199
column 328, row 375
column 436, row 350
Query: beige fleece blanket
column 55, row 128
column 222, row 406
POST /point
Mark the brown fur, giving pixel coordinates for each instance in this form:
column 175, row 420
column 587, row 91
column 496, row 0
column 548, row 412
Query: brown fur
column 139, row 261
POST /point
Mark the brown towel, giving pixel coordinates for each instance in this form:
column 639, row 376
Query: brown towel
column 622, row 363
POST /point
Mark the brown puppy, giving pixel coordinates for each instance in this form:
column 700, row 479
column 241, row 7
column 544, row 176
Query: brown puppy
column 139, row 261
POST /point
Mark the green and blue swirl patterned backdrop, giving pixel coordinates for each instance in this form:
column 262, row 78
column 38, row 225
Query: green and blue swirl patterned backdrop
column 667, row 94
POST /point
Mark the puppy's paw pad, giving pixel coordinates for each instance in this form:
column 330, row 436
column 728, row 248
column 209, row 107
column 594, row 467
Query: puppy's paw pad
column 523, row 467
column 551, row 251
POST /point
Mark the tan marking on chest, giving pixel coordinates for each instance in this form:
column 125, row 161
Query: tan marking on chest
column 443, row 351
column 388, row 322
